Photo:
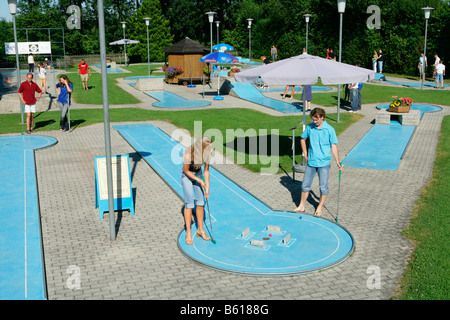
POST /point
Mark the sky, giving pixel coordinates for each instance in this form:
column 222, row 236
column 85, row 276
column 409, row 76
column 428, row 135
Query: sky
column 4, row 10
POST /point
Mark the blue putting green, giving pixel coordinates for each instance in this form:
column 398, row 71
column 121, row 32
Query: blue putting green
column 109, row 70
column 22, row 273
column 170, row 100
column 315, row 243
column 384, row 145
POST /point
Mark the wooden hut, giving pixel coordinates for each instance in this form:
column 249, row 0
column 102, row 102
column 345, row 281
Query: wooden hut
column 186, row 54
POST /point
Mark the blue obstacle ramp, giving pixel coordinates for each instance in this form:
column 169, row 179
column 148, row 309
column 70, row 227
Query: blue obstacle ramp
column 249, row 92
column 315, row 243
column 170, row 100
column 22, row 274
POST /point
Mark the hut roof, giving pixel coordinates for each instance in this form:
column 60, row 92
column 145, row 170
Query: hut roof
column 187, row 46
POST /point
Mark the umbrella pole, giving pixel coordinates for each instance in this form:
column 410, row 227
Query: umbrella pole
column 218, row 97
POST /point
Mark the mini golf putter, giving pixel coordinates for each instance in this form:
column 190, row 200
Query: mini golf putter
column 209, row 215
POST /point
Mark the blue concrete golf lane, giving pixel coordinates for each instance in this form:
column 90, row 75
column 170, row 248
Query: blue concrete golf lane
column 315, row 243
column 384, row 145
column 170, row 100
column 21, row 254
column 381, row 148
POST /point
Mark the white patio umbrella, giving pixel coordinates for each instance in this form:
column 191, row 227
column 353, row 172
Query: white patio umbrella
column 123, row 41
column 306, row 69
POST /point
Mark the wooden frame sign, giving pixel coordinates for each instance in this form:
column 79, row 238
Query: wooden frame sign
column 122, row 192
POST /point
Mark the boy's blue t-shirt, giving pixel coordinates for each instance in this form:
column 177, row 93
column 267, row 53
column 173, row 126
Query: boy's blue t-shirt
column 320, row 141
column 64, row 95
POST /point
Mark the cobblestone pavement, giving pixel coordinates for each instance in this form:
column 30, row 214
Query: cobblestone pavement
column 145, row 263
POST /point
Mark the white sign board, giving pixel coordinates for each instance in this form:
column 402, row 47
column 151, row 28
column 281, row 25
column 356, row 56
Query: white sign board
column 42, row 47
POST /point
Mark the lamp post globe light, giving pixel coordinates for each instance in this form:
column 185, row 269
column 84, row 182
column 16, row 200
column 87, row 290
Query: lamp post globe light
column 217, row 25
column 341, row 10
column 12, row 4
column 307, row 16
column 211, row 20
column 427, row 11
column 249, row 20
column 147, row 23
column 124, row 42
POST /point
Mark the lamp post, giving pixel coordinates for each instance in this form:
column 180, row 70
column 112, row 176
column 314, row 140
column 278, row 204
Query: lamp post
column 427, row 11
column 307, row 16
column 106, row 122
column 147, row 22
column 13, row 10
column 211, row 20
column 249, row 20
column 217, row 25
column 341, row 10
column 124, row 41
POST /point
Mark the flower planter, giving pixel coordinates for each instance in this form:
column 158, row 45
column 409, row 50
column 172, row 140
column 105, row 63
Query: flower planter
column 399, row 109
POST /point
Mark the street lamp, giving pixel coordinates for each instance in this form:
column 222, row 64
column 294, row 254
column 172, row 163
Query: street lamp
column 13, row 10
column 147, row 22
column 341, row 10
column 217, row 25
column 124, row 41
column 249, row 39
column 211, row 20
column 106, row 121
column 427, row 11
column 307, row 16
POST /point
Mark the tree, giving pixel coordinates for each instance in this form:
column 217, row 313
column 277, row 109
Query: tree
column 159, row 32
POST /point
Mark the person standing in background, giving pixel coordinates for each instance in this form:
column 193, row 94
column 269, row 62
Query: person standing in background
column 43, row 77
column 422, row 66
column 380, row 61
column 83, row 69
column 274, row 53
column 30, row 63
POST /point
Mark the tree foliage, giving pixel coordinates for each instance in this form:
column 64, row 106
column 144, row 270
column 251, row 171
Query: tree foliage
column 275, row 22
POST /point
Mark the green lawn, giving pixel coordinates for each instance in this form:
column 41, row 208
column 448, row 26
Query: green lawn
column 427, row 276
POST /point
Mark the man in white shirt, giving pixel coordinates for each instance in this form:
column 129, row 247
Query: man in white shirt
column 31, row 63
column 440, row 72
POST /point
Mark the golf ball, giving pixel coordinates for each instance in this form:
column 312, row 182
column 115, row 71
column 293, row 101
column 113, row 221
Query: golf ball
column 270, row 234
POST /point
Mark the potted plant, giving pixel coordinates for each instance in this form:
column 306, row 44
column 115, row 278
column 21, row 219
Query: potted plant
column 174, row 71
column 233, row 71
column 400, row 105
